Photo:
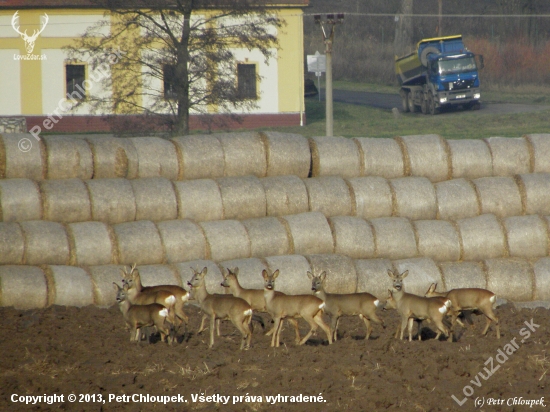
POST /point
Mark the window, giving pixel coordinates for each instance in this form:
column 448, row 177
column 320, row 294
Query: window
column 169, row 80
column 75, row 75
column 246, row 81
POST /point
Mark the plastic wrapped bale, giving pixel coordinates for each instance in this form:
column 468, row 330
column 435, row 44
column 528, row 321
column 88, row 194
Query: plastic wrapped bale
column 112, row 200
column 250, row 271
column 437, row 239
column 23, row 287
column 329, row 195
column 244, row 154
column 46, row 243
column 470, row 158
column 482, row 237
column 499, row 195
column 65, row 200
column 182, row 239
column 27, row 163
column 334, row 156
column 113, row 157
column 542, row 279
column 394, row 237
column 458, row 275
column 428, row 156
column 535, row 193
column 292, row 278
column 285, row 195
column 155, row 199
column 202, row 156
column 422, row 273
column 138, row 242
column 226, row 239
column 540, row 144
column 309, row 233
column 103, row 277
column 242, row 197
column 340, row 269
column 157, row 157
column 268, row 237
column 72, row 286
column 527, row 236
column 414, row 198
column 213, row 276
column 287, row 154
column 456, row 199
column 68, row 157
column 92, row 244
column 372, row 197
column 20, row 200
column 153, row 275
column 510, row 156
column 511, row 279
column 381, row 157
column 352, row 237
column 12, row 244
column 199, row 200
column 372, row 276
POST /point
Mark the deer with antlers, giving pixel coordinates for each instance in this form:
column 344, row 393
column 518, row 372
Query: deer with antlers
column 29, row 40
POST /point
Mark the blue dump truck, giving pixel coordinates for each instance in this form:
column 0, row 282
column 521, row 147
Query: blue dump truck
column 440, row 73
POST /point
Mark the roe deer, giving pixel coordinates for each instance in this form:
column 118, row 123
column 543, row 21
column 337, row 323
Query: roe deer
column 222, row 307
column 352, row 304
column 282, row 306
column 139, row 316
column 470, row 299
column 413, row 307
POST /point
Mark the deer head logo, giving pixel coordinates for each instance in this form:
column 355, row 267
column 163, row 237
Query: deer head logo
column 29, row 40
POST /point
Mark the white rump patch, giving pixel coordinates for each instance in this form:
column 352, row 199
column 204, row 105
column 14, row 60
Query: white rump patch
column 170, row 300
column 322, row 305
column 376, row 303
column 163, row 312
column 448, row 303
column 493, row 298
column 443, row 309
column 248, row 312
column 185, row 297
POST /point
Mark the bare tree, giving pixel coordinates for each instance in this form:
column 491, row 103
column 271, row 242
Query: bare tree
column 404, row 29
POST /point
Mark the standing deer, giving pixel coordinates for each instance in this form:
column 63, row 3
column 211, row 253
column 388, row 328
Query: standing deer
column 29, row 40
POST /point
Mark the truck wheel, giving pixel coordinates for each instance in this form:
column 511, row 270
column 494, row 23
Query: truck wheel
column 405, row 101
column 410, row 100
column 424, row 106
column 431, row 105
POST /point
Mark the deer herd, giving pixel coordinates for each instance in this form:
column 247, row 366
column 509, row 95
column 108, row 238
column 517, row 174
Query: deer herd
column 162, row 307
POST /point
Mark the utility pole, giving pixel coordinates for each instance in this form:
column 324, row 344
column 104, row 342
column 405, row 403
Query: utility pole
column 328, row 38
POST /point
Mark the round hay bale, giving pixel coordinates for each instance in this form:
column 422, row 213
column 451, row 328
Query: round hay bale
column 155, row 199
column 268, row 237
column 12, row 244
column 226, row 239
column 334, row 156
column 46, row 243
column 113, row 157
column 422, row 273
column 250, row 271
column 92, row 244
column 510, row 156
column 329, row 195
column 372, row 276
column 102, row 280
column 394, row 238
column 341, row 275
column 199, row 200
column 292, row 278
column 381, row 157
column 542, row 279
column 72, row 286
column 202, row 156
column 68, row 157
column 414, row 198
column 23, row 287
column 527, row 236
column 213, row 276
column 287, row 154
column 182, row 239
column 461, row 275
column 540, row 144
column 138, row 242
column 65, row 200
column 285, row 195
column 16, row 163
column 309, row 233
column 244, row 154
column 535, row 192
column 242, row 197
column 157, row 157
column 372, row 196
column 352, row 237
column 470, row 158
column 20, row 200
column 437, row 239
column 499, row 195
column 153, row 275
column 112, row 200
column 428, row 156
column 482, row 237
column 511, row 279
column 456, row 199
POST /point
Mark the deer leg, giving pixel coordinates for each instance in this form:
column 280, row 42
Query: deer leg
column 367, row 324
column 313, row 327
column 204, row 317
column 318, row 318
column 410, row 328
column 212, row 326
column 275, row 334
column 334, row 319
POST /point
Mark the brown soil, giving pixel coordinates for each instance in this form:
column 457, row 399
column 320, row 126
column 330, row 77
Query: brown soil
column 86, row 351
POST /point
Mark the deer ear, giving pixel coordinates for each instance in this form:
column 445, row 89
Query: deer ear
column 236, row 271
column 275, row 274
column 309, row 275
column 390, row 274
column 116, row 287
column 404, row 274
column 264, row 274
